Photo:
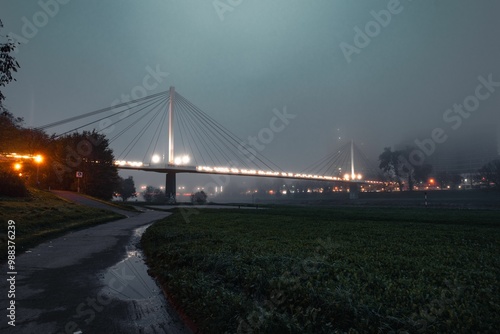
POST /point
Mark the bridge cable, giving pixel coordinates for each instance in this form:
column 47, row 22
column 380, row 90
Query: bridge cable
column 140, row 134
column 158, row 129
column 202, row 129
column 233, row 139
column 131, row 125
column 236, row 145
column 327, row 160
column 75, row 118
column 98, row 120
column 184, row 129
column 136, row 139
column 198, row 140
column 204, row 126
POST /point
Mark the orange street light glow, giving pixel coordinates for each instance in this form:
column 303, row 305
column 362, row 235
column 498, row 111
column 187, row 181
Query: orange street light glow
column 38, row 159
column 17, row 166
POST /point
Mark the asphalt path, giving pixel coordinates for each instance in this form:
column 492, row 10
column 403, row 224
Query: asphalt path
column 89, row 281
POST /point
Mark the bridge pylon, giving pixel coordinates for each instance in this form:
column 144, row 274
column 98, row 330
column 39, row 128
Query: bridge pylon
column 353, row 187
column 170, row 180
column 171, row 186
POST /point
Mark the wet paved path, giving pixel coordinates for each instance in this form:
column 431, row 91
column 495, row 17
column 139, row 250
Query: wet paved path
column 92, row 280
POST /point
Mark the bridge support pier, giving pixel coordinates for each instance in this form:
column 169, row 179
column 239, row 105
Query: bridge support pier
column 353, row 191
column 171, row 187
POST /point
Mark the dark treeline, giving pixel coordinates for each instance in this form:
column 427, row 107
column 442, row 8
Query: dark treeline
column 60, row 158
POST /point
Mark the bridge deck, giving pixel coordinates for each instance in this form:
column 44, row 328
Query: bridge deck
column 241, row 172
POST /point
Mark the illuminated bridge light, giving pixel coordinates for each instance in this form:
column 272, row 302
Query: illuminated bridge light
column 221, row 169
column 128, row 163
column 237, row 171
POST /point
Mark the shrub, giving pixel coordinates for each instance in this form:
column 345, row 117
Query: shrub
column 11, row 185
column 199, row 198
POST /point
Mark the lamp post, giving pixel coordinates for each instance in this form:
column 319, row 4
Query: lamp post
column 38, row 160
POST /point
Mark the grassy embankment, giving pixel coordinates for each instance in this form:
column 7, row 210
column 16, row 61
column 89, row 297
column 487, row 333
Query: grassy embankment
column 317, row 270
column 43, row 216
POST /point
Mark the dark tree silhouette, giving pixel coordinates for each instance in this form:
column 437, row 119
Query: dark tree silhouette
column 391, row 164
column 127, row 188
column 8, row 64
column 86, row 152
column 148, row 194
column 199, row 198
column 397, row 167
column 152, row 194
column 490, row 172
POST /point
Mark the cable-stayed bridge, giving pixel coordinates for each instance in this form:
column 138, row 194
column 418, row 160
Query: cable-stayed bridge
column 202, row 145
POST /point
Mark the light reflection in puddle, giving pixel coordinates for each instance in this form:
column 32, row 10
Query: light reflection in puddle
column 147, row 309
column 129, row 279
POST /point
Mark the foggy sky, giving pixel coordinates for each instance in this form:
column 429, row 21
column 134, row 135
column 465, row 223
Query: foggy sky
column 268, row 54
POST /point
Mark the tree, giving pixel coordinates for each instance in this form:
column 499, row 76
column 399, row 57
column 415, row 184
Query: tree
column 87, row 152
column 396, row 165
column 391, row 164
column 490, row 172
column 11, row 129
column 127, row 188
column 148, row 194
column 159, row 196
column 152, row 194
column 8, row 65
column 199, row 198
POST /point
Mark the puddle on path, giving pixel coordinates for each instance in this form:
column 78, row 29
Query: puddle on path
column 129, row 278
column 129, row 281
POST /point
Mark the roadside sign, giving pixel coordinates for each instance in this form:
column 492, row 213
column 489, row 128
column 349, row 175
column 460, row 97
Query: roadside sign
column 79, row 174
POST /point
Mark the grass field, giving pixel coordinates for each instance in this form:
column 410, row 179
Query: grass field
column 322, row 270
column 43, row 216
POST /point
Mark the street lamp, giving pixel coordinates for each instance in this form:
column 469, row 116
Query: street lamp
column 38, row 160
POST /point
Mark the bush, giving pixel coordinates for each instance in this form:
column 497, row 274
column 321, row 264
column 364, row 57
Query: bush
column 11, row 185
column 199, row 198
